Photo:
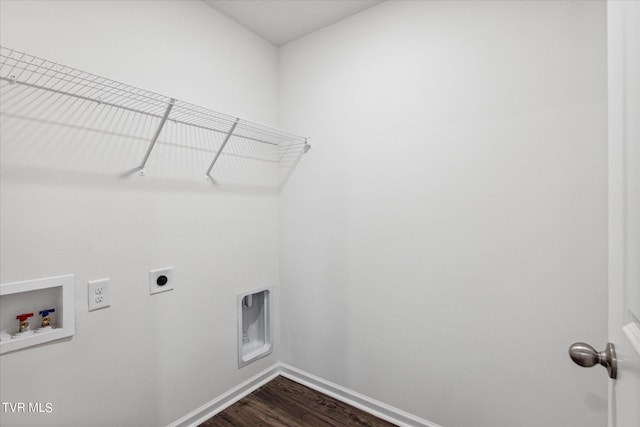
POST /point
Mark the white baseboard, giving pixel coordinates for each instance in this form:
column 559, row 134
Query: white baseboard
column 350, row 397
column 360, row 401
column 208, row 410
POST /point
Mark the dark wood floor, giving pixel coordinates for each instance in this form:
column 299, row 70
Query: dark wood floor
column 284, row 403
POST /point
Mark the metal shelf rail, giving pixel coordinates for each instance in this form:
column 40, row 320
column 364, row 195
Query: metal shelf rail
column 37, row 89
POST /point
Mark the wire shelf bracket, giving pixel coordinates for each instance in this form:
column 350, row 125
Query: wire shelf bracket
column 226, row 139
column 155, row 137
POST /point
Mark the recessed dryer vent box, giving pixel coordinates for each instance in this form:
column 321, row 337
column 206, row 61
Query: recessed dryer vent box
column 254, row 325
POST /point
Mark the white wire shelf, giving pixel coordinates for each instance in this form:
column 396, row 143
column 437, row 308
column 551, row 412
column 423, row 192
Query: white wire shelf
column 50, row 94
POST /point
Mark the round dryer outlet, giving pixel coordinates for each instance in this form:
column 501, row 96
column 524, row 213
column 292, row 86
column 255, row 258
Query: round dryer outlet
column 161, row 280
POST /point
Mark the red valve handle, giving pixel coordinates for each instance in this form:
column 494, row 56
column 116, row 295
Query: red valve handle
column 23, row 317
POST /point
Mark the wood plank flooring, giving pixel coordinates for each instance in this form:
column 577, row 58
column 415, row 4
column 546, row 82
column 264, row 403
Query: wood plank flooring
column 285, row 403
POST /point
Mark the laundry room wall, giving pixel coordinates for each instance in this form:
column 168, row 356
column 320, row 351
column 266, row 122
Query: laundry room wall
column 446, row 240
column 71, row 208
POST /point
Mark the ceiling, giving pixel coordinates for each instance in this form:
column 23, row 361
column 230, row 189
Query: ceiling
column 281, row 21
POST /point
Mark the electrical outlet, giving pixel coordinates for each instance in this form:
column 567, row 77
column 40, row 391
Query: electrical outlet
column 98, row 291
column 161, row 280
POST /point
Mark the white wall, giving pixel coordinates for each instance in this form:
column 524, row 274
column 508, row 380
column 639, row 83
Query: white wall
column 441, row 247
column 146, row 360
column 445, row 241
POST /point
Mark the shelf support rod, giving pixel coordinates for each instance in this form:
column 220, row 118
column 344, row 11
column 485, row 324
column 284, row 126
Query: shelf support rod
column 226, row 139
column 157, row 134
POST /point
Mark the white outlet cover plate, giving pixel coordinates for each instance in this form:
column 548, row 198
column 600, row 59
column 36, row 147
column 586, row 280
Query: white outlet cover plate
column 99, row 295
column 154, row 288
